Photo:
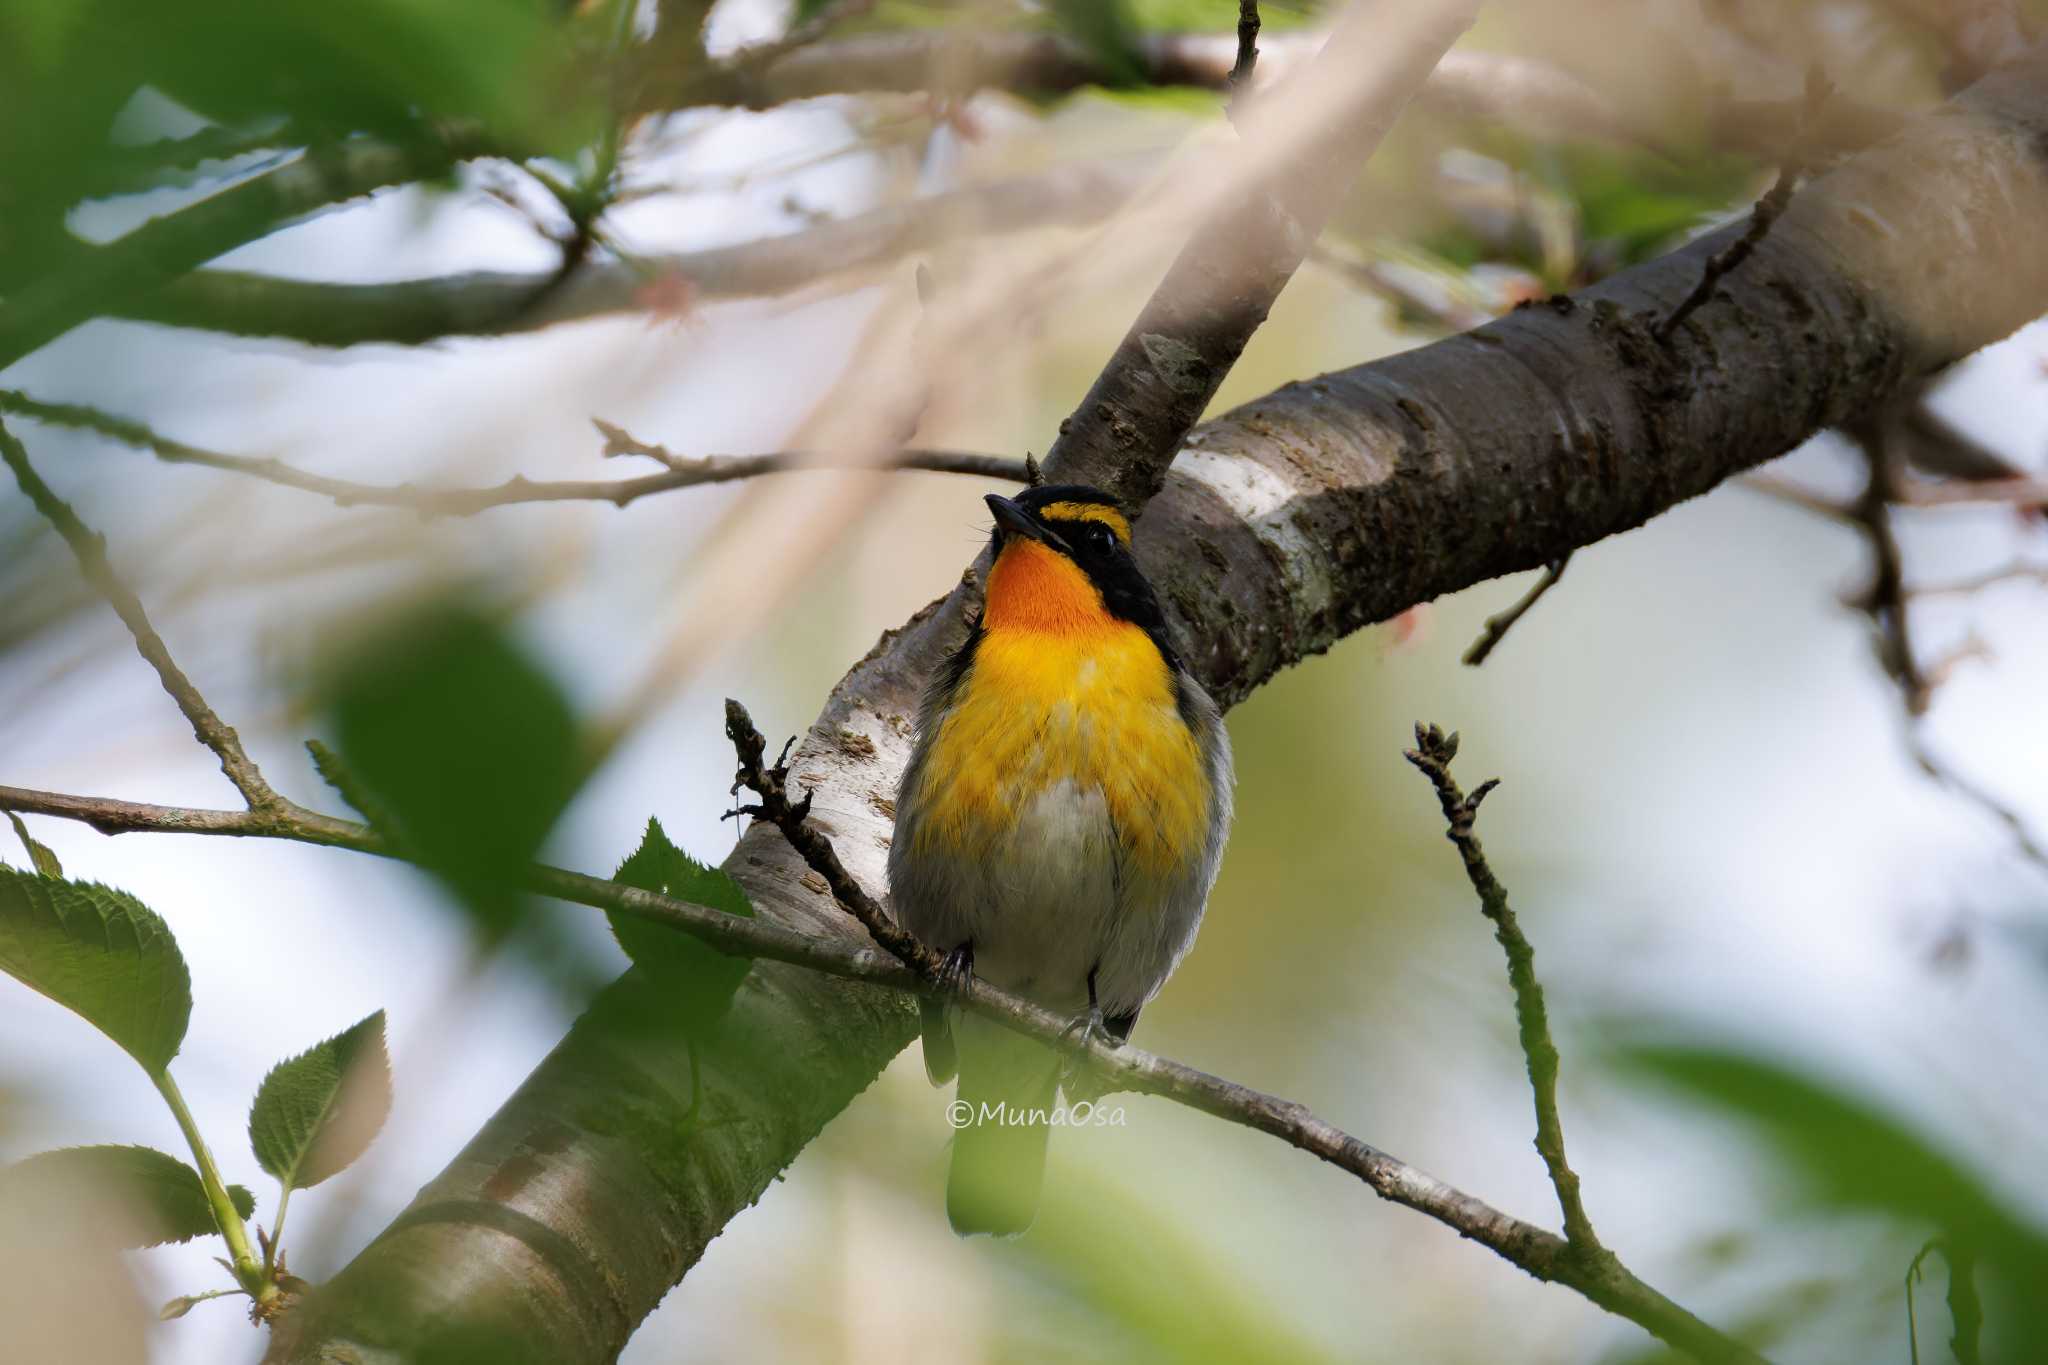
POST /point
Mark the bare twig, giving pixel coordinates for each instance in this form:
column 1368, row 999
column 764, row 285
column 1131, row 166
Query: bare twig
column 1432, row 756
column 1247, row 60
column 1784, row 490
column 2023, row 493
column 1888, row 604
column 90, row 549
column 682, row 472
column 1966, row 1310
column 1761, row 218
column 1498, row 625
column 770, row 782
column 1601, row 1279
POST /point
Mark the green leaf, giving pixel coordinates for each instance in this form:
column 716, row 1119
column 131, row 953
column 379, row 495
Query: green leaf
column 702, row 979
column 316, row 1113
column 1849, row 1154
column 102, row 953
column 1105, row 28
column 128, row 1196
column 39, row 854
column 465, row 745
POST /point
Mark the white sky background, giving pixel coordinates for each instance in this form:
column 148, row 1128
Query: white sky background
column 1706, row 813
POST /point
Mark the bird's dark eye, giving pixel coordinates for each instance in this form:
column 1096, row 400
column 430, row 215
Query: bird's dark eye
column 1098, row 536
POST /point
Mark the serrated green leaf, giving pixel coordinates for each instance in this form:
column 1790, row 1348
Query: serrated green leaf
column 702, row 979
column 99, row 952
column 316, row 1113
column 126, row 1196
column 38, row 853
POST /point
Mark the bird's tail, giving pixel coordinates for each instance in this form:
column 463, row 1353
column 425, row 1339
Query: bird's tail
column 1003, row 1115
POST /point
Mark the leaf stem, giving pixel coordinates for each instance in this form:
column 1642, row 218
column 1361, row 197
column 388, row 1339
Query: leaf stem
column 284, row 1199
column 254, row 1278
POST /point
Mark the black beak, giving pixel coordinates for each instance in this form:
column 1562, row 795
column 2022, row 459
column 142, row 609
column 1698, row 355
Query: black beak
column 1013, row 519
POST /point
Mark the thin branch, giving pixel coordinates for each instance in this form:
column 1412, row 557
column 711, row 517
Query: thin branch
column 1761, row 219
column 1432, row 756
column 2027, row 494
column 682, row 471
column 769, row 782
column 1542, row 1254
column 112, row 278
column 1247, row 61
column 1498, row 625
column 493, row 303
column 90, row 549
column 1888, row 604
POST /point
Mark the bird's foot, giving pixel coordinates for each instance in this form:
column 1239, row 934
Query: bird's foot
column 1088, row 1029
column 957, row 971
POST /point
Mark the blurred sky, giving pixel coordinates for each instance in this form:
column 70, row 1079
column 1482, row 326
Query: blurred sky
column 1706, row 821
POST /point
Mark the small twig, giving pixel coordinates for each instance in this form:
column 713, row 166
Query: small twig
column 2024, row 493
column 1784, row 490
column 1432, row 756
column 770, row 782
column 90, row 549
column 1887, row 602
column 1966, row 1310
column 1498, row 625
column 1761, row 219
column 1247, row 52
column 683, row 471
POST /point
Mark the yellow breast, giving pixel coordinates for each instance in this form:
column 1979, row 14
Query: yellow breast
column 1095, row 706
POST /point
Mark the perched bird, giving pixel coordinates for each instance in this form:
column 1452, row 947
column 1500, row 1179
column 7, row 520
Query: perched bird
column 1059, row 825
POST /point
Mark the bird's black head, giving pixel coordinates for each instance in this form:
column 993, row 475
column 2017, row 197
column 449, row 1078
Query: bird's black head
column 1081, row 527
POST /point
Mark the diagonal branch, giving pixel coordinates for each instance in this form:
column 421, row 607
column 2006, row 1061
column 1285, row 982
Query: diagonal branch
column 90, row 549
column 1432, row 756
column 1306, row 140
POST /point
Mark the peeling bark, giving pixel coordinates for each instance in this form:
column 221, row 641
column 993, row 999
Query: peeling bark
column 1285, row 524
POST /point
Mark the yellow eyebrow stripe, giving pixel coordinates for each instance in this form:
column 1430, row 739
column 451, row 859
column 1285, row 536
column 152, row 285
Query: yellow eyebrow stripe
column 1090, row 511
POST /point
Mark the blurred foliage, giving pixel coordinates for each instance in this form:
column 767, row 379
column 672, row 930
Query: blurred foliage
column 1850, row 1156
column 317, row 1112
column 299, row 71
column 127, row 1197
column 696, row 980
column 101, row 953
column 464, row 749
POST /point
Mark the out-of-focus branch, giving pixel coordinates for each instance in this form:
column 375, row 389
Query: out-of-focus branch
column 491, row 303
column 1286, row 524
column 1220, row 287
column 1888, row 603
column 108, row 279
column 90, row 549
column 1979, row 35
column 1432, row 757
column 683, row 471
column 1499, row 88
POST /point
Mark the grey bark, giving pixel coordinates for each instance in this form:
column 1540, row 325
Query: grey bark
column 1284, row 524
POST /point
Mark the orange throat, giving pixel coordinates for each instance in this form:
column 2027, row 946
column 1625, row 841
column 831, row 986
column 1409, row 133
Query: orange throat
column 1032, row 588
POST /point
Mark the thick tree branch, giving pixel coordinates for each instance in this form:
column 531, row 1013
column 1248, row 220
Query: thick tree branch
column 492, row 303
column 684, row 471
column 1220, row 287
column 90, row 549
column 1287, row 523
